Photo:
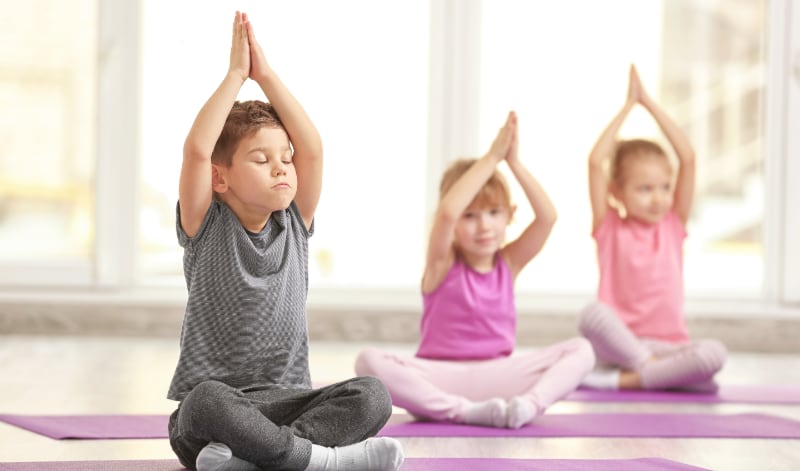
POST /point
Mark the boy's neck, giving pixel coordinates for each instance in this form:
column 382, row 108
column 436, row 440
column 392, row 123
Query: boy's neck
column 253, row 221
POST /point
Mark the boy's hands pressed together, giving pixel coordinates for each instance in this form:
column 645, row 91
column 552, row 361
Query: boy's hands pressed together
column 240, row 47
column 258, row 62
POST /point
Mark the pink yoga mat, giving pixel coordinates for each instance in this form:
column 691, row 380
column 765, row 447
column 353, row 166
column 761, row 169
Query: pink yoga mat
column 92, row 426
column 746, row 394
column 612, row 425
column 410, row 464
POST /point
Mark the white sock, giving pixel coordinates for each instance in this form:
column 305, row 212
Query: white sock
column 373, row 454
column 491, row 413
column 521, row 412
column 218, row 457
column 602, row 379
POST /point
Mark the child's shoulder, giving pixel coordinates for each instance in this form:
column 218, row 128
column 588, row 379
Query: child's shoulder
column 611, row 221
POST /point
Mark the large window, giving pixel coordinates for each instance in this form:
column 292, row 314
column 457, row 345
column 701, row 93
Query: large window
column 98, row 96
column 566, row 75
column 47, row 133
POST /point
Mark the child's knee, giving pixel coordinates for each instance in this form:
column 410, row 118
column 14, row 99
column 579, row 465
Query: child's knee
column 207, row 398
column 366, row 362
column 375, row 396
column 592, row 318
column 585, row 351
column 712, row 354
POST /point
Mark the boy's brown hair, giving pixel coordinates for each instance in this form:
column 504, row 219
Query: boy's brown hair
column 493, row 193
column 245, row 118
column 632, row 150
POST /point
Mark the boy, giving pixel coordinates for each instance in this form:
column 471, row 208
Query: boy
column 249, row 186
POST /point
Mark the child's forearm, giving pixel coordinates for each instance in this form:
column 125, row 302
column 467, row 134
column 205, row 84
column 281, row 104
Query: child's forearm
column 675, row 135
column 604, row 145
column 210, row 120
column 302, row 132
column 463, row 191
column 540, row 202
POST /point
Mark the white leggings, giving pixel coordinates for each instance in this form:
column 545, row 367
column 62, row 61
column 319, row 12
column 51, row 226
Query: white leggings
column 443, row 389
column 662, row 365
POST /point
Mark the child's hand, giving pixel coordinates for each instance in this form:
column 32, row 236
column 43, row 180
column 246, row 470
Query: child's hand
column 258, row 62
column 502, row 142
column 634, row 86
column 513, row 147
column 240, row 49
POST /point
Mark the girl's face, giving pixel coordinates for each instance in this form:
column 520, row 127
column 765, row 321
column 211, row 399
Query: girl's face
column 481, row 231
column 646, row 190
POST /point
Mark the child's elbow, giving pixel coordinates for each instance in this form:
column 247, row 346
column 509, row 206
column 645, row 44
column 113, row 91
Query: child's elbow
column 549, row 219
column 193, row 152
column 446, row 215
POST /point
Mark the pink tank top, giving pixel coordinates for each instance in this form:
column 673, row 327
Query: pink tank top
column 470, row 316
column 641, row 274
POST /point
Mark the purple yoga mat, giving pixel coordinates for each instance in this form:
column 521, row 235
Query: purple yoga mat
column 748, row 394
column 92, row 426
column 611, row 425
column 115, row 465
column 410, row 464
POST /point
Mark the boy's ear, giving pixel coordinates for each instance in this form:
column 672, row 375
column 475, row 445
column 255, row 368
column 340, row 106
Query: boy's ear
column 219, row 181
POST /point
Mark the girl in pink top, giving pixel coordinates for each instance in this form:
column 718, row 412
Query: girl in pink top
column 637, row 326
column 464, row 370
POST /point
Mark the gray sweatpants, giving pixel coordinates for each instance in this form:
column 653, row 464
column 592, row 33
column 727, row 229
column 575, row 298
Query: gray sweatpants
column 274, row 428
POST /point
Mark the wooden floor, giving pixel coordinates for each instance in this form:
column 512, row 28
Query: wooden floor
column 76, row 375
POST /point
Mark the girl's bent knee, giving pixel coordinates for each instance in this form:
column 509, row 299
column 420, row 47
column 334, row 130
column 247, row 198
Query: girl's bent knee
column 712, row 354
column 591, row 318
column 365, row 362
column 585, row 351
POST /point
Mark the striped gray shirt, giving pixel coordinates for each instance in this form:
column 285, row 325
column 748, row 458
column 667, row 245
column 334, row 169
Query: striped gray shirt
column 245, row 320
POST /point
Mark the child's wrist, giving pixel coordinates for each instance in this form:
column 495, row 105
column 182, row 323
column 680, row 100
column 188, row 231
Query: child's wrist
column 235, row 76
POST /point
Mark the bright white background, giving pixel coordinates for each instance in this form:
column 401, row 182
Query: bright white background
column 397, row 90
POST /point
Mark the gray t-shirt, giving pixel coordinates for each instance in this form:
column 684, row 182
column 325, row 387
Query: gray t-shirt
column 245, row 320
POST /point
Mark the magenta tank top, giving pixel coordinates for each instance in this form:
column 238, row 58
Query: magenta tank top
column 470, row 316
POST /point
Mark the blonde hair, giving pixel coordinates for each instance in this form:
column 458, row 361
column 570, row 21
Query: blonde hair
column 633, row 150
column 495, row 191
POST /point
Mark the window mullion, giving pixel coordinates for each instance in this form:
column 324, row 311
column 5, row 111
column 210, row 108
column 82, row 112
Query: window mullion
column 454, row 98
column 118, row 146
column 787, row 81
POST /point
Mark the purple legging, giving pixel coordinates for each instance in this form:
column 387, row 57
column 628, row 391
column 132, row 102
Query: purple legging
column 661, row 365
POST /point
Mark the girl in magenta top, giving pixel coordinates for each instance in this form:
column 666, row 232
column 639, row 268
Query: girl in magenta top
column 639, row 214
column 464, row 370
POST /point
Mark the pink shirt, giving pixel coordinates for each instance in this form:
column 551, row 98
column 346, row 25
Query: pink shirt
column 641, row 274
column 470, row 316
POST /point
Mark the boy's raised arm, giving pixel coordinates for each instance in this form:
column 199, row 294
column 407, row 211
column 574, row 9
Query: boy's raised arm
column 302, row 133
column 195, row 190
